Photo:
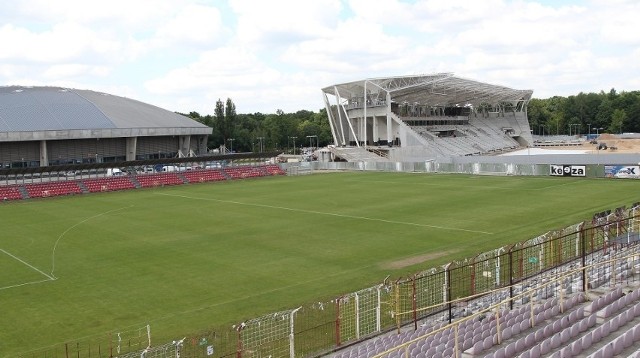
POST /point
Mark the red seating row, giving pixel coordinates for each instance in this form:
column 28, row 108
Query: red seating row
column 64, row 187
column 159, row 179
column 108, row 184
column 203, row 175
column 244, row 172
column 10, row 192
column 40, row 190
column 273, row 169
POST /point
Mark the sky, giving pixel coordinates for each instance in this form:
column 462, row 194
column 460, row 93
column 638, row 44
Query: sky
column 184, row 55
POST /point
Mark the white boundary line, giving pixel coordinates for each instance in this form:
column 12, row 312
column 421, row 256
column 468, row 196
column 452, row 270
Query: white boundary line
column 28, row 264
column 330, row 214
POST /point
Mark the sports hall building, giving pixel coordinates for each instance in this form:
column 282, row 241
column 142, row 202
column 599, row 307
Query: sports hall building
column 49, row 126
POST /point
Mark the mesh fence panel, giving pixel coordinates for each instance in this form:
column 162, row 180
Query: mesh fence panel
column 267, row 336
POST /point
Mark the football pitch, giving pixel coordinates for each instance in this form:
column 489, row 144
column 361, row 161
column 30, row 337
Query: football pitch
column 184, row 258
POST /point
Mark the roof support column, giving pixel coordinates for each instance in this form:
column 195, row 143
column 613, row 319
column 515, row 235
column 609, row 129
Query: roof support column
column 131, row 150
column 44, row 154
column 184, row 141
column 375, row 136
column 364, row 122
column 389, row 138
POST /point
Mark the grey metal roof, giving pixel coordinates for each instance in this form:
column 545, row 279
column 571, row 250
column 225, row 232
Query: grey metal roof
column 37, row 109
column 439, row 89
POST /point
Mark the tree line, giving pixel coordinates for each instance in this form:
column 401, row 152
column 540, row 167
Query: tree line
column 265, row 132
column 584, row 113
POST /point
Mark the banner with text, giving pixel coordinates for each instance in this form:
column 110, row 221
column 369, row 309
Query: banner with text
column 622, row 171
column 568, row 170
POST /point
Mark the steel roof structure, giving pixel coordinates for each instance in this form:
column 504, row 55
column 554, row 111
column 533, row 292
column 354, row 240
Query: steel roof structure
column 436, row 90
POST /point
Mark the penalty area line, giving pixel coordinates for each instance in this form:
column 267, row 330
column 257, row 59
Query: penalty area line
column 332, row 214
column 26, row 283
column 28, row 264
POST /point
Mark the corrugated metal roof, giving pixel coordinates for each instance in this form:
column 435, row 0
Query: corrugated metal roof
column 438, row 89
column 55, row 108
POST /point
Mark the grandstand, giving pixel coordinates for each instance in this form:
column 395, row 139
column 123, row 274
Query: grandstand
column 425, row 117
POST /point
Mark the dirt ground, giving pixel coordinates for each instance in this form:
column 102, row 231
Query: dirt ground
column 621, row 145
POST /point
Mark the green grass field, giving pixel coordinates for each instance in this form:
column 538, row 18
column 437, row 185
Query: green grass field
column 185, row 258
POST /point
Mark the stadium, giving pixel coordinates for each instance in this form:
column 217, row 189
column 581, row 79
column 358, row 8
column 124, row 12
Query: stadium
column 395, row 246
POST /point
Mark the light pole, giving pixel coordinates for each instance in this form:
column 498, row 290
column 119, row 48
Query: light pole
column 260, row 139
column 231, row 144
column 598, row 131
column 589, row 124
column 575, row 131
column 294, row 145
column 311, row 137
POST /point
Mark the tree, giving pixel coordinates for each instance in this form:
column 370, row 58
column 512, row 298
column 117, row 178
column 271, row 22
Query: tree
column 618, row 118
column 224, row 119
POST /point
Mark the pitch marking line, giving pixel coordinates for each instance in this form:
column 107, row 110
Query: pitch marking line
column 53, row 253
column 330, row 214
column 26, row 283
column 28, row 264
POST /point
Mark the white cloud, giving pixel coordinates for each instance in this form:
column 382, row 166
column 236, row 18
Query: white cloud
column 271, row 23
column 265, row 55
column 194, row 24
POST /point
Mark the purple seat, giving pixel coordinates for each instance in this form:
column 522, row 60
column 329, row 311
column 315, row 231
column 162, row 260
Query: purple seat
column 606, row 328
column 506, row 333
column 556, row 341
column 596, row 335
column 607, row 351
column 566, row 352
column 565, row 335
column 576, row 347
column 487, row 343
column 628, row 338
column 529, row 340
column 534, row 352
column 476, row 349
column 521, row 345
column 618, row 346
column 515, row 329
column 468, row 343
column 510, row 349
column 500, row 353
column 636, row 333
column 586, row 340
column 545, row 346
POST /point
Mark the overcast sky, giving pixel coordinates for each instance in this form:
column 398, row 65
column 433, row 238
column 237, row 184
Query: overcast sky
column 184, row 55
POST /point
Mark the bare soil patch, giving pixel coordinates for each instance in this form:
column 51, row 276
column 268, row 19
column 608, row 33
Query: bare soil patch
column 414, row 260
column 621, row 145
